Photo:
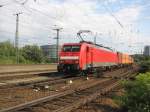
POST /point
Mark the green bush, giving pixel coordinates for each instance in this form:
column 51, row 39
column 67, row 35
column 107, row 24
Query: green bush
column 32, row 53
column 27, row 55
column 137, row 94
column 7, row 53
column 143, row 61
column 7, row 49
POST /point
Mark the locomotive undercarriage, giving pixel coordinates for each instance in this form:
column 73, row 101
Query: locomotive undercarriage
column 95, row 71
column 68, row 68
column 74, row 68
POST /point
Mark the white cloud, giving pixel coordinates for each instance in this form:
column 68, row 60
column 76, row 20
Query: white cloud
column 73, row 15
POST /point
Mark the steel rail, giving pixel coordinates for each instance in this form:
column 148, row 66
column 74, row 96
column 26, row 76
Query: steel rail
column 58, row 95
column 29, row 84
column 87, row 99
column 52, row 81
column 48, row 98
column 25, row 72
column 26, row 64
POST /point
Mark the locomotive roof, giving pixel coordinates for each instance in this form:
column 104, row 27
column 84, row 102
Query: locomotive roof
column 89, row 43
column 72, row 44
column 80, row 43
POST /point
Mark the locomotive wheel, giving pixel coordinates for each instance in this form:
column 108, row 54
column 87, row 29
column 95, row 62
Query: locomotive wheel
column 83, row 73
column 98, row 73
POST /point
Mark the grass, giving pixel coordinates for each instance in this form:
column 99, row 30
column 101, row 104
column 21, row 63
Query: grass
column 12, row 60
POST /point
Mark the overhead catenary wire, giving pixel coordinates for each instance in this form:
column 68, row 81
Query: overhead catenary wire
column 37, row 11
column 6, row 32
column 40, row 12
column 21, row 1
column 36, row 25
column 27, row 25
column 22, row 35
column 127, row 30
column 6, row 4
column 33, row 10
column 116, row 19
column 108, row 9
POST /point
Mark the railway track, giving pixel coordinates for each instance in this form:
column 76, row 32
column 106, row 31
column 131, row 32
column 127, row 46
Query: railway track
column 69, row 99
column 103, row 103
column 16, row 75
column 25, row 68
column 52, row 97
column 37, row 77
column 50, row 81
column 23, row 71
column 24, row 93
column 29, row 81
column 52, row 78
column 22, row 74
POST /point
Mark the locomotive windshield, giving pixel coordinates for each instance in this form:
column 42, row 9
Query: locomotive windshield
column 71, row 48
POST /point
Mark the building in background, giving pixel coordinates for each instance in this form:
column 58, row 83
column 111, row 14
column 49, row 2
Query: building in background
column 147, row 50
column 50, row 52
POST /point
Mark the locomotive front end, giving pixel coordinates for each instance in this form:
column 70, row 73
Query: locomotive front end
column 69, row 58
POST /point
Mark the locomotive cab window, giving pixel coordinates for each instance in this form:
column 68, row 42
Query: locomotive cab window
column 67, row 48
column 73, row 48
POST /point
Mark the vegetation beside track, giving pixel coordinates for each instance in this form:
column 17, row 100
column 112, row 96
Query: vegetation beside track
column 30, row 54
column 143, row 61
column 136, row 97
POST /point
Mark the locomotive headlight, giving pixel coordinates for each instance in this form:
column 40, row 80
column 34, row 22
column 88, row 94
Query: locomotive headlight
column 76, row 61
column 61, row 61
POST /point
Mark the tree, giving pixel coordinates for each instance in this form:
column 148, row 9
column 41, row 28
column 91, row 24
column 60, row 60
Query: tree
column 137, row 94
column 32, row 53
column 7, row 49
column 143, row 62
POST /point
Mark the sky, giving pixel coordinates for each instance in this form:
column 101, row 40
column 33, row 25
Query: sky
column 123, row 25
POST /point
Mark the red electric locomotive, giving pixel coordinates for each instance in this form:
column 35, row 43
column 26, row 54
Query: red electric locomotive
column 85, row 56
column 89, row 57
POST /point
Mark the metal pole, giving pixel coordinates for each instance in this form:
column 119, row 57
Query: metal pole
column 17, row 37
column 57, row 50
column 57, row 44
column 95, row 38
